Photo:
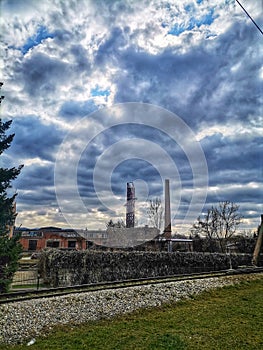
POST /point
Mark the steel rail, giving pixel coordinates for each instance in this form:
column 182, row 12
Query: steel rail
column 92, row 287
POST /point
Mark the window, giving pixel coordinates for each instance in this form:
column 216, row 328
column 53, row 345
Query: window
column 32, row 244
column 52, row 244
column 72, row 244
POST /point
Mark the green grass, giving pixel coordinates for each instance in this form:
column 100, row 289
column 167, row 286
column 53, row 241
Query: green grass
column 227, row 318
column 25, row 286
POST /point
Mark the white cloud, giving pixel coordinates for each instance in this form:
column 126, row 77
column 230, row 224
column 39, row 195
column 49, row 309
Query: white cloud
column 209, row 72
column 231, row 131
column 35, row 161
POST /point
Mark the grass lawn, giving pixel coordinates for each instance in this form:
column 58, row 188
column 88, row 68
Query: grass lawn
column 227, row 318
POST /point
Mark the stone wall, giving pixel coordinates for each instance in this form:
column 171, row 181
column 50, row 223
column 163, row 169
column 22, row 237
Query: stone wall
column 67, row 268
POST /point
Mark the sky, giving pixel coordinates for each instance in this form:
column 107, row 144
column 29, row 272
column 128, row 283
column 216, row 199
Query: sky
column 102, row 93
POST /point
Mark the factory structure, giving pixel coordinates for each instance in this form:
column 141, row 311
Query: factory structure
column 131, row 236
column 123, row 237
column 113, row 237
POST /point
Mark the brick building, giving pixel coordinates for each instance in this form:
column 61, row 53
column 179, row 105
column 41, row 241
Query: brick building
column 50, row 237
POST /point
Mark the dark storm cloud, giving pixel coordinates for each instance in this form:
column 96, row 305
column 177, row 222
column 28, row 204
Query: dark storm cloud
column 109, row 49
column 202, row 78
column 76, row 109
column 42, row 73
column 131, row 131
column 248, row 194
column 44, row 197
column 111, row 10
column 242, row 175
column 34, row 139
column 102, row 209
column 61, row 37
column 233, row 160
column 82, row 62
column 36, row 177
column 132, row 168
column 208, row 83
column 125, row 171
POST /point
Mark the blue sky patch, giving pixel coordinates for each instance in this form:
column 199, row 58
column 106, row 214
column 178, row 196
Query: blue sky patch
column 41, row 34
column 98, row 92
column 207, row 19
column 177, row 29
column 189, row 8
column 164, row 25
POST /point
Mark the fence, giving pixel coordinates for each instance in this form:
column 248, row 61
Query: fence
column 26, row 277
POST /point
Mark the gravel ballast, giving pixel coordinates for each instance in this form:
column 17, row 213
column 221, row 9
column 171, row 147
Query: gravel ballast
column 24, row 320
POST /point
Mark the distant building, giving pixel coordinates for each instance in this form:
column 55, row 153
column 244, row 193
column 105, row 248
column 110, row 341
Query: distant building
column 33, row 240
column 120, row 237
column 95, row 236
column 130, row 237
column 50, row 237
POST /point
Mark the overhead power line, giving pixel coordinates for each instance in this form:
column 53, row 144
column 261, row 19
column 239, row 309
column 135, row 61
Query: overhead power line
column 249, row 17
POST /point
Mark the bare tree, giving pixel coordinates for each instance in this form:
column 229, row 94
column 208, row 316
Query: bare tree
column 119, row 224
column 155, row 212
column 219, row 223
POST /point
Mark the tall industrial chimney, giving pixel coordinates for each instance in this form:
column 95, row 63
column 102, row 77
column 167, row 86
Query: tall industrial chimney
column 167, row 212
column 130, row 205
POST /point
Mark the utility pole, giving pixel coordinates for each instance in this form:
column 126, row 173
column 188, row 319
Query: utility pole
column 258, row 244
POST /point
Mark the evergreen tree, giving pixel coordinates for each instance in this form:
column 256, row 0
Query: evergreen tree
column 10, row 248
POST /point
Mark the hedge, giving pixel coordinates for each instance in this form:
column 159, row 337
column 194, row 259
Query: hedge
column 68, row 268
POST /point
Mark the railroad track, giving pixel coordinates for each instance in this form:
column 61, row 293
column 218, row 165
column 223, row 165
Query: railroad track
column 46, row 293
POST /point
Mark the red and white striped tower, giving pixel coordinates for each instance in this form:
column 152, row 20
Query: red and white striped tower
column 130, row 205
